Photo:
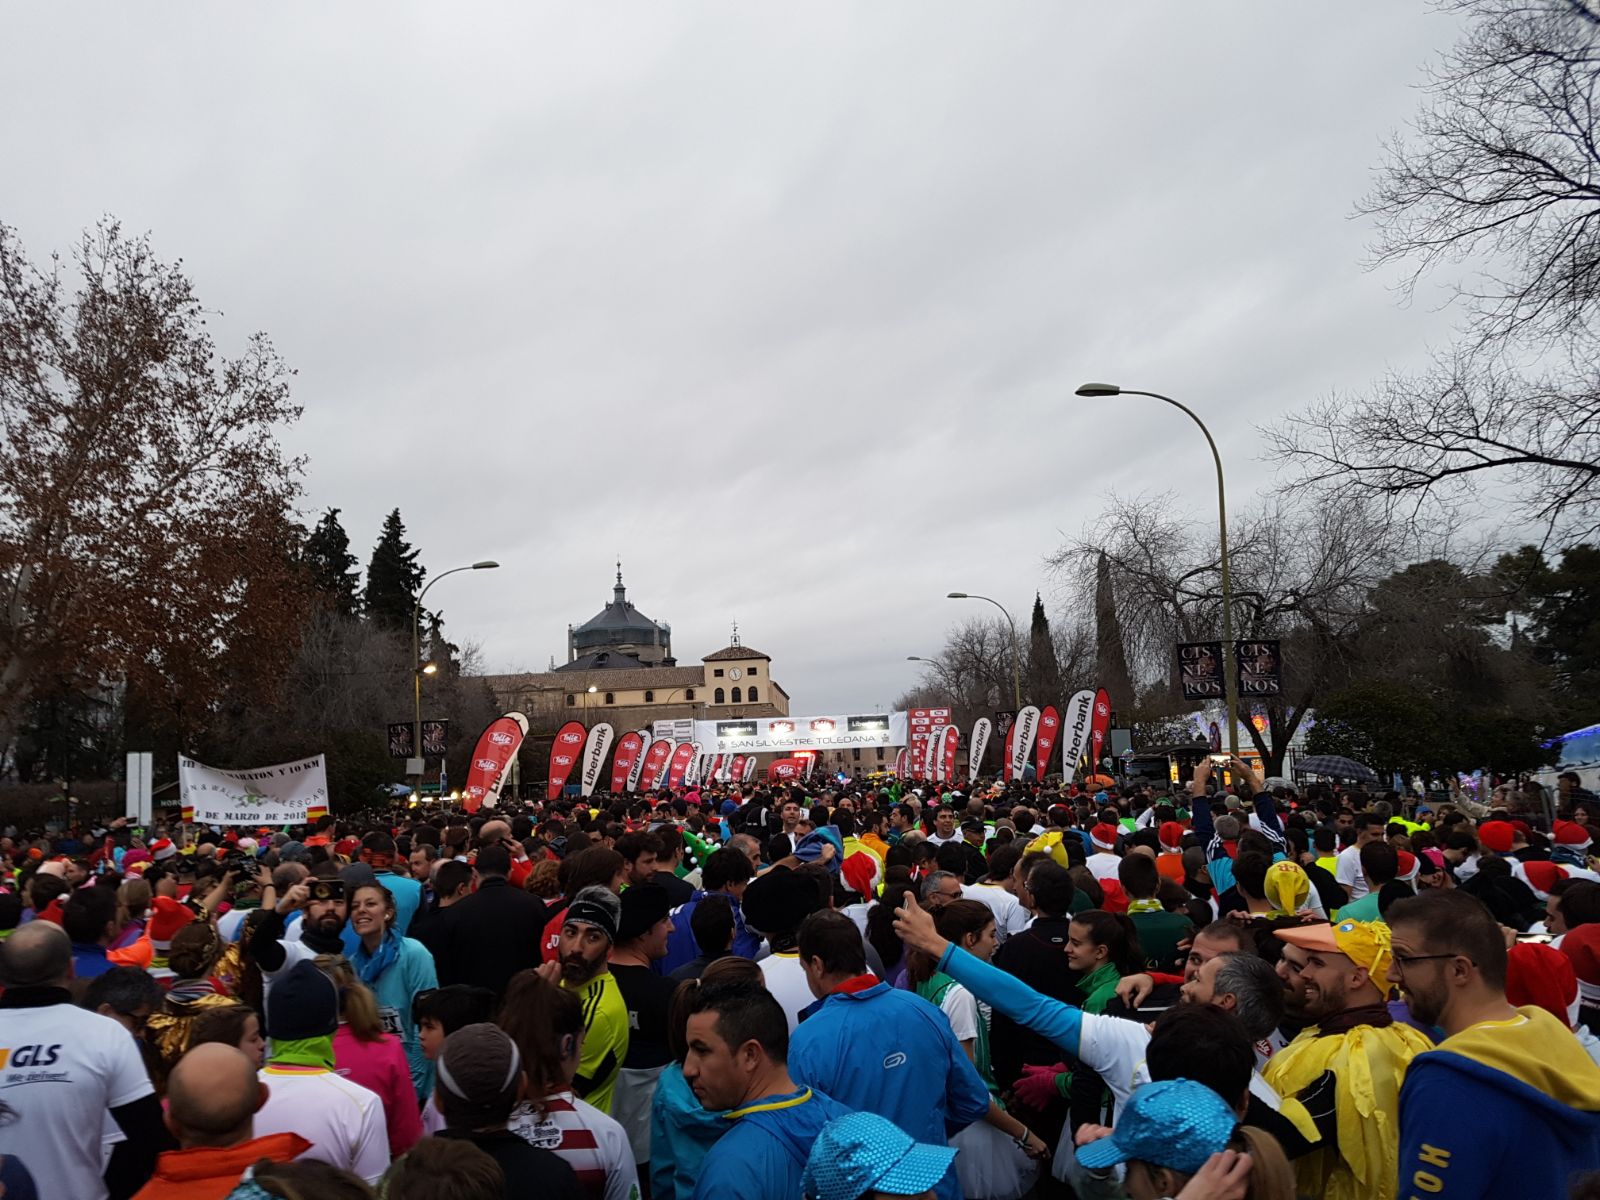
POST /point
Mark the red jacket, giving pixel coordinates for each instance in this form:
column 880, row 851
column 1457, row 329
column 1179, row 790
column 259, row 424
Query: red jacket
column 211, row 1172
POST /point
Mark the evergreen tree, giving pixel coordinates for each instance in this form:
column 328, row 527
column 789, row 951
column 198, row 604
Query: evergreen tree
column 332, row 566
column 1111, row 661
column 393, row 577
column 1042, row 683
column 439, row 649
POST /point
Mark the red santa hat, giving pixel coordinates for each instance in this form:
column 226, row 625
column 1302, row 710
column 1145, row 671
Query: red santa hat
column 1496, row 836
column 162, row 849
column 1543, row 977
column 1114, row 899
column 167, row 916
column 860, row 871
column 1171, row 833
column 1569, row 833
column 1542, row 876
column 1582, row 948
column 1104, row 836
column 1408, row 866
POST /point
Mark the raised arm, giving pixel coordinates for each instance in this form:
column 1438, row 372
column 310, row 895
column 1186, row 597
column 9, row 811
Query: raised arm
column 1266, row 807
column 1200, row 806
column 1059, row 1022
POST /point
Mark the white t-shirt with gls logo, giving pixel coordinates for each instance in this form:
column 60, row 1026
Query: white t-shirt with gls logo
column 61, row 1069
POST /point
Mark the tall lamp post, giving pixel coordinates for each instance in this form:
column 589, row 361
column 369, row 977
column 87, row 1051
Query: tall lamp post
column 419, row 668
column 1229, row 666
column 1016, row 648
column 587, row 692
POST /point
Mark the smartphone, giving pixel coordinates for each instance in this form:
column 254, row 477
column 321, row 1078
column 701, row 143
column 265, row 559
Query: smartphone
column 326, row 889
column 1218, row 759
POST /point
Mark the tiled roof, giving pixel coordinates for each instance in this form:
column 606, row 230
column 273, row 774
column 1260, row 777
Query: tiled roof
column 659, row 679
column 730, row 653
column 605, row 660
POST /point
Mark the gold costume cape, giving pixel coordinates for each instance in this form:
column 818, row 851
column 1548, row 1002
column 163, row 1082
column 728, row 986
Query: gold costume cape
column 1369, row 1065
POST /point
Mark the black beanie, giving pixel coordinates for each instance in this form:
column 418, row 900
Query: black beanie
column 303, row 1003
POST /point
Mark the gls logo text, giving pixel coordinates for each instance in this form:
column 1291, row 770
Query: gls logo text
column 29, row 1056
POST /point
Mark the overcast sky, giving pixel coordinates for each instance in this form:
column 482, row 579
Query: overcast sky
column 784, row 304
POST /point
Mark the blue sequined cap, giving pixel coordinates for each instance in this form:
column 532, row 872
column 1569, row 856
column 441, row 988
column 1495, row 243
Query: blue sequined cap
column 864, row 1152
column 1175, row 1123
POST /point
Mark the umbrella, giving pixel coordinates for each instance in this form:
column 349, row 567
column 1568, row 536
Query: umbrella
column 1272, row 781
column 1098, row 781
column 1336, row 765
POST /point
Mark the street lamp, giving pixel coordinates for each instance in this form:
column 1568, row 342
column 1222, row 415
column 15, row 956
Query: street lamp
column 1229, row 666
column 1016, row 648
column 419, row 668
column 587, row 692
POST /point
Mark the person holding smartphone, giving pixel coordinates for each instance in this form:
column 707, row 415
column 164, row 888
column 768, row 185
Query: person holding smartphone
column 1219, row 839
column 321, row 929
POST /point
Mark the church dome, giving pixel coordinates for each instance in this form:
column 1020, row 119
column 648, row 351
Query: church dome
column 621, row 626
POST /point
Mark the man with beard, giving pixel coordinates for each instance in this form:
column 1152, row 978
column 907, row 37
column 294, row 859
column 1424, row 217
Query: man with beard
column 1508, row 1104
column 1113, row 1047
column 588, row 931
column 1340, row 973
column 321, row 928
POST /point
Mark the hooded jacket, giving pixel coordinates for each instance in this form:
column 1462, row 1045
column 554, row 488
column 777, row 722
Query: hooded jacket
column 881, row 1050
column 682, row 1131
column 764, row 1153
column 1504, row 1108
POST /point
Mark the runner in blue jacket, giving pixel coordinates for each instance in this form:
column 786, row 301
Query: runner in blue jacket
column 764, row 1154
column 878, row 1049
column 737, row 1041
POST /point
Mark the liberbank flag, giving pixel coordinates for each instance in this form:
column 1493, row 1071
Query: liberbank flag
column 289, row 793
column 784, row 735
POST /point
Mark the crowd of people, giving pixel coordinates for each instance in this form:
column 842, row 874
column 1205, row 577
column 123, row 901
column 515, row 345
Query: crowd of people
column 897, row 988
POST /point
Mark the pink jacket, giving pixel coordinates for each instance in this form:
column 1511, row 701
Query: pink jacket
column 381, row 1066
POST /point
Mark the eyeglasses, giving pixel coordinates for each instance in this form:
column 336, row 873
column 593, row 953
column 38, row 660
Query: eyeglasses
column 1405, row 960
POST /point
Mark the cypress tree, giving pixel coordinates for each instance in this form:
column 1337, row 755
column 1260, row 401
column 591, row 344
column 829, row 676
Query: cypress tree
column 1043, row 680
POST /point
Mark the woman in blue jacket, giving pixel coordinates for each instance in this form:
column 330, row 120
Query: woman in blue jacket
column 396, row 969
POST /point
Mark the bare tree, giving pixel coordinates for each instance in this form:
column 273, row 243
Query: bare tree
column 1419, row 445
column 1501, row 173
column 348, row 681
column 972, row 672
column 1502, row 165
column 1301, row 573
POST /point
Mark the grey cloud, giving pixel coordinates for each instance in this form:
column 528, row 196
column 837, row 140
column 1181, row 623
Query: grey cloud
column 736, row 291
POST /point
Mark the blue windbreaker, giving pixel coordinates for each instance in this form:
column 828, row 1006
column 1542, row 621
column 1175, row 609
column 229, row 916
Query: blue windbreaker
column 681, row 946
column 763, row 1156
column 682, row 1132
column 890, row 1052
